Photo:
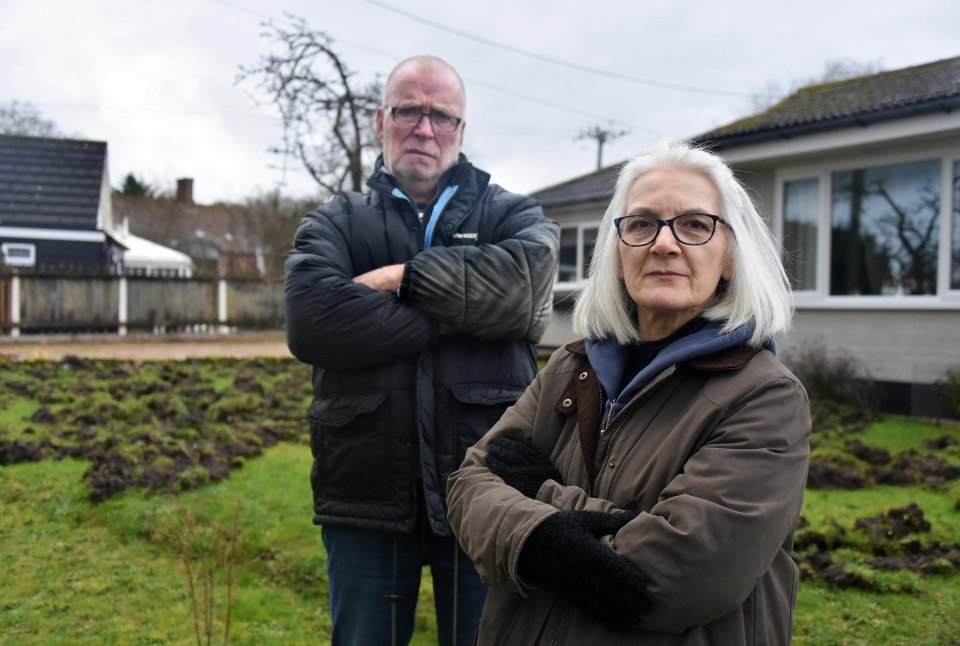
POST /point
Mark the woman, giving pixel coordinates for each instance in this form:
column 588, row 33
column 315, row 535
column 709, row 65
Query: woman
column 645, row 488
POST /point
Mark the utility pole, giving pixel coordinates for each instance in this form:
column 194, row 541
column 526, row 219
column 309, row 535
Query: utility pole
column 601, row 135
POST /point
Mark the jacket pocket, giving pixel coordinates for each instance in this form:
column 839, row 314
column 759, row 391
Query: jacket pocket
column 473, row 410
column 348, row 438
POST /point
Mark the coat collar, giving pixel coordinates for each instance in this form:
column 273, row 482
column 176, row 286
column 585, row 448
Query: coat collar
column 729, row 359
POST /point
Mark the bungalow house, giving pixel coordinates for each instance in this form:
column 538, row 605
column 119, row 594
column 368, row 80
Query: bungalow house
column 56, row 214
column 55, row 206
column 860, row 181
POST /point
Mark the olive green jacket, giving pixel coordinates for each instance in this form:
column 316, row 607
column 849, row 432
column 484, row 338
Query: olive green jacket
column 712, row 453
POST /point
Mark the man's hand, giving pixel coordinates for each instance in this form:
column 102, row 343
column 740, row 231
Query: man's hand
column 384, row 279
column 520, row 464
column 565, row 553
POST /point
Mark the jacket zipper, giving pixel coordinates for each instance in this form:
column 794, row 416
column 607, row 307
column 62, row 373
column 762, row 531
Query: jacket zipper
column 606, row 456
column 609, row 449
column 560, row 627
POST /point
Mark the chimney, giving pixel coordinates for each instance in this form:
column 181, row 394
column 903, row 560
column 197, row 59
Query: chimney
column 185, row 191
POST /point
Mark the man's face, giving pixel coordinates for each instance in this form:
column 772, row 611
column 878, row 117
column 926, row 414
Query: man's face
column 418, row 155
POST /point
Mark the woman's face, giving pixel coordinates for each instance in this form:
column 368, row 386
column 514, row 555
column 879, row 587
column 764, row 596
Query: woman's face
column 670, row 282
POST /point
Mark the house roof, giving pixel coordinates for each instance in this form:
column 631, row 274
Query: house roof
column 186, row 227
column 50, row 183
column 931, row 87
column 145, row 253
column 593, row 187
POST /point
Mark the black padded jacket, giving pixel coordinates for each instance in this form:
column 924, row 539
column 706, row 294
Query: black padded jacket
column 396, row 402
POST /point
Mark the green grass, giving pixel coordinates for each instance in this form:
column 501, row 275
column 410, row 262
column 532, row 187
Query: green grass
column 913, row 609
column 78, row 572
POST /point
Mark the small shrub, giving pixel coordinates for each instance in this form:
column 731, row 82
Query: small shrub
column 950, row 387
column 832, row 375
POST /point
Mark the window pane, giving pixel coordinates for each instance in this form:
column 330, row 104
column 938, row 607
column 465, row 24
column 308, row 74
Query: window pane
column 955, row 247
column 885, row 229
column 567, row 272
column 589, row 240
column 800, row 203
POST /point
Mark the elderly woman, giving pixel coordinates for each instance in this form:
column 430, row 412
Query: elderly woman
column 645, row 488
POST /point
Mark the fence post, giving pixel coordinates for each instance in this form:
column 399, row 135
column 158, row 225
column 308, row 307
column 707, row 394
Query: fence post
column 122, row 306
column 15, row 306
column 222, row 306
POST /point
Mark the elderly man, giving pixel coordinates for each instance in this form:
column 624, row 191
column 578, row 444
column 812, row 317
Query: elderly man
column 418, row 304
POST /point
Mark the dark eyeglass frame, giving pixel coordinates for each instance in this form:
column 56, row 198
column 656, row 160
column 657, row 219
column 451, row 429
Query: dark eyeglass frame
column 433, row 115
column 668, row 223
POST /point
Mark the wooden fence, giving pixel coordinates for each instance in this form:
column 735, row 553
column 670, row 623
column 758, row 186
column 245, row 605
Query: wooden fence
column 33, row 303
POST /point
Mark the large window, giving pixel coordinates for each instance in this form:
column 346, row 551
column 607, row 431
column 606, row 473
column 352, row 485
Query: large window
column 885, row 229
column 800, row 214
column 576, row 250
column 880, row 230
column 955, row 243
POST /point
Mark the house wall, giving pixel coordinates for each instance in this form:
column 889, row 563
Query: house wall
column 67, row 255
column 900, row 345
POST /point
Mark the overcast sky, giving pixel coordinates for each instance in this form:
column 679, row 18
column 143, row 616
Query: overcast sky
column 156, row 80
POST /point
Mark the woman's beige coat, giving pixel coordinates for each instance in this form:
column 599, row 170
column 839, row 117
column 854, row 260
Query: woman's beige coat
column 712, row 452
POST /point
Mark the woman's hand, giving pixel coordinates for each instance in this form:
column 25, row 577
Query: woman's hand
column 565, row 553
column 520, row 464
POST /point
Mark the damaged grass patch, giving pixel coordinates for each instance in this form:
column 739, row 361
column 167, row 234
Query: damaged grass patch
column 165, row 426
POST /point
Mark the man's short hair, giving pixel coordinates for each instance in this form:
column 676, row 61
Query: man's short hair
column 423, row 60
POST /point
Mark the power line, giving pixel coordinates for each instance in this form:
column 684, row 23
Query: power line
column 472, row 81
column 78, row 107
column 489, row 86
column 555, row 61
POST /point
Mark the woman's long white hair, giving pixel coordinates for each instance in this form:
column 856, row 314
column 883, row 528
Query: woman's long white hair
column 758, row 291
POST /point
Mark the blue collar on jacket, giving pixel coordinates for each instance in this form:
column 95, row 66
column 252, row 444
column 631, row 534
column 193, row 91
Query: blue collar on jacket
column 462, row 177
column 609, row 358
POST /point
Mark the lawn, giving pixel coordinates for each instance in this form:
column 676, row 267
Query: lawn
column 103, row 501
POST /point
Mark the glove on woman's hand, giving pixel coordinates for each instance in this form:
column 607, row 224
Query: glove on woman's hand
column 564, row 553
column 520, row 464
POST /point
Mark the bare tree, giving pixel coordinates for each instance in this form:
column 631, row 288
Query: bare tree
column 835, row 70
column 917, row 230
column 329, row 118
column 24, row 119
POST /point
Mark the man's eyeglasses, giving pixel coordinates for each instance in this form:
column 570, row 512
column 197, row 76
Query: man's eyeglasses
column 689, row 228
column 410, row 118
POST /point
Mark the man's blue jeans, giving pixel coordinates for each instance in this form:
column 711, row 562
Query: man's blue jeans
column 374, row 580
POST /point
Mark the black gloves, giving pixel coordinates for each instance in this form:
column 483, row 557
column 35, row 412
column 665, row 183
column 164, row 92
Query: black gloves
column 564, row 553
column 520, row 464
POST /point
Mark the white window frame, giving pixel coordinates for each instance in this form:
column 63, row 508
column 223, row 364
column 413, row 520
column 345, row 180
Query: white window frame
column 947, row 206
column 820, row 297
column 31, row 249
column 581, row 280
column 823, row 239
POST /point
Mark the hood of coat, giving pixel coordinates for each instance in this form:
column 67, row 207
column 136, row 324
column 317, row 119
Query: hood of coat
column 609, row 358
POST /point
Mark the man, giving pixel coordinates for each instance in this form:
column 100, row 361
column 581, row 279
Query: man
column 419, row 304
